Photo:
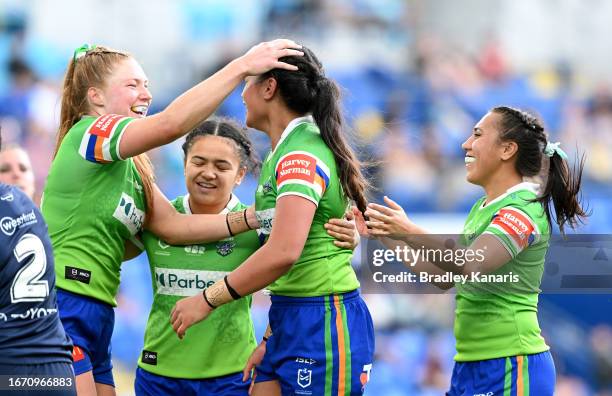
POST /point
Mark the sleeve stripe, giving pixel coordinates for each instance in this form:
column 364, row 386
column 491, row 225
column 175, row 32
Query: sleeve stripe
column 311, row 199
column 504, row 243
column 322, row 178
column 99, row 140
column 506, row 238
column 318, row 188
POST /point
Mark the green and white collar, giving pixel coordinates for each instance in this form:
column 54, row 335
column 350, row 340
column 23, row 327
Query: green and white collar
column 291, row 126
column 533, row 187
column 233, row 202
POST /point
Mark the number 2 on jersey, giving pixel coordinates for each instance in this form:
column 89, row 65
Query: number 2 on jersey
column 27, row 285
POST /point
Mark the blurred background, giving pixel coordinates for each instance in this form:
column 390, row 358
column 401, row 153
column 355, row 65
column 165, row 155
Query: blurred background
column 416, row 76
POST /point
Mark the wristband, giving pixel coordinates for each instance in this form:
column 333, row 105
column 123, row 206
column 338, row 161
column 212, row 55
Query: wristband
column 231, row 290
column 218, row 294
column 228, row 225
column 264, row 339
column 234, row 219
column 206, row 299
column 244, row 212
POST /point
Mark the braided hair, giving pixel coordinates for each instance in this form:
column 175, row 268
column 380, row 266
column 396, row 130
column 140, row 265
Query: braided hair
column 230, row 129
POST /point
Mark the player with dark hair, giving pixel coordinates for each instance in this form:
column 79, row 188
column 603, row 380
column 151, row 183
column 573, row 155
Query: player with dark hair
column 320, row 338
column 210, row 359
column 500, row 348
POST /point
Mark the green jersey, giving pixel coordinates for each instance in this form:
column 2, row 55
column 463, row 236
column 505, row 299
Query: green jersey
column 222, row 343
column 93, row 202
column 301, row 164
column 491, row 325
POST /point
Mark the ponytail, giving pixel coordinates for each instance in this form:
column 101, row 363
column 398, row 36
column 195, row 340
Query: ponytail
column 562, row 188
column 562, row 185
column 307, row 90
column 327, row 115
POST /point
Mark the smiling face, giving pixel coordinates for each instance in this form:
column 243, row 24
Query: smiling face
column 126, row 91
column 16, row 169
column 484, row 152
column 212, row 170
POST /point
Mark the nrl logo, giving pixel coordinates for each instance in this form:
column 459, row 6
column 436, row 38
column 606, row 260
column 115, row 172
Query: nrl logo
column 304, row 377
column 226, row 247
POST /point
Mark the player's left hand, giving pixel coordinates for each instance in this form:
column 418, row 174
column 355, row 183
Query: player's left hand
column 344, row 230
column 187, row 312
column 388, row 221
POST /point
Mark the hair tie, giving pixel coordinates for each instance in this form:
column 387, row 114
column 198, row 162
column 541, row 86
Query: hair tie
column 552, row 148
column 82, row 51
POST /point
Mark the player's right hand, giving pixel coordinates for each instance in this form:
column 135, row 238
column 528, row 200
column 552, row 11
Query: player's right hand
column 388, row 221
column 254, row 360
column 187, row 312
column 264, row 56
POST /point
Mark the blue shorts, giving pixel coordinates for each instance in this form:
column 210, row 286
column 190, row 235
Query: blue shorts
column 89, row 323
column 319, row 345
column 509, row 376
column 149, row 384
column 61, row 371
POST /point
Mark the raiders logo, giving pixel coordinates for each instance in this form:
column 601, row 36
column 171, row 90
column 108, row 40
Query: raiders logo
column 226, row 247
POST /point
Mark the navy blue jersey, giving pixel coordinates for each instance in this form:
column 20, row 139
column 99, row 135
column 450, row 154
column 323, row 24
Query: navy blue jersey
column 30, row 328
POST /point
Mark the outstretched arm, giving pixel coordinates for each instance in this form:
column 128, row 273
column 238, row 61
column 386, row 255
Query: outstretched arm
column 391, row 223
column 198, row 103
column 181, row 229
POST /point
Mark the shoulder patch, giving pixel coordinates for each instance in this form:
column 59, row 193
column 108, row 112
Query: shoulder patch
column 517, row 225
column 301, row 167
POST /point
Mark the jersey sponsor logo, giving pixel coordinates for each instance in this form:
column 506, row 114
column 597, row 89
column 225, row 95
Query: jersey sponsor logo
column 3, row 316
column 34, row 313
column 149, row 357
column 128, row 214
column 265, row 218
column 77, row 354
column 300, row 167
column 10, row 224
column 95, row 146
column 517, row 225
column 7, row 197
column 304, row 377
column 180, row 282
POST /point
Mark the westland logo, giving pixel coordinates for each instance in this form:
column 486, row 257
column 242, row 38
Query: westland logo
column 10, row 224
column 177, row 282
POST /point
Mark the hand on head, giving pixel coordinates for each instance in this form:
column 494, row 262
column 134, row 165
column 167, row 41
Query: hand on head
column 265, row 56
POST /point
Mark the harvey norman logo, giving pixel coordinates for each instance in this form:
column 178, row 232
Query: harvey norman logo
column 177, row 282
column 10, row 224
